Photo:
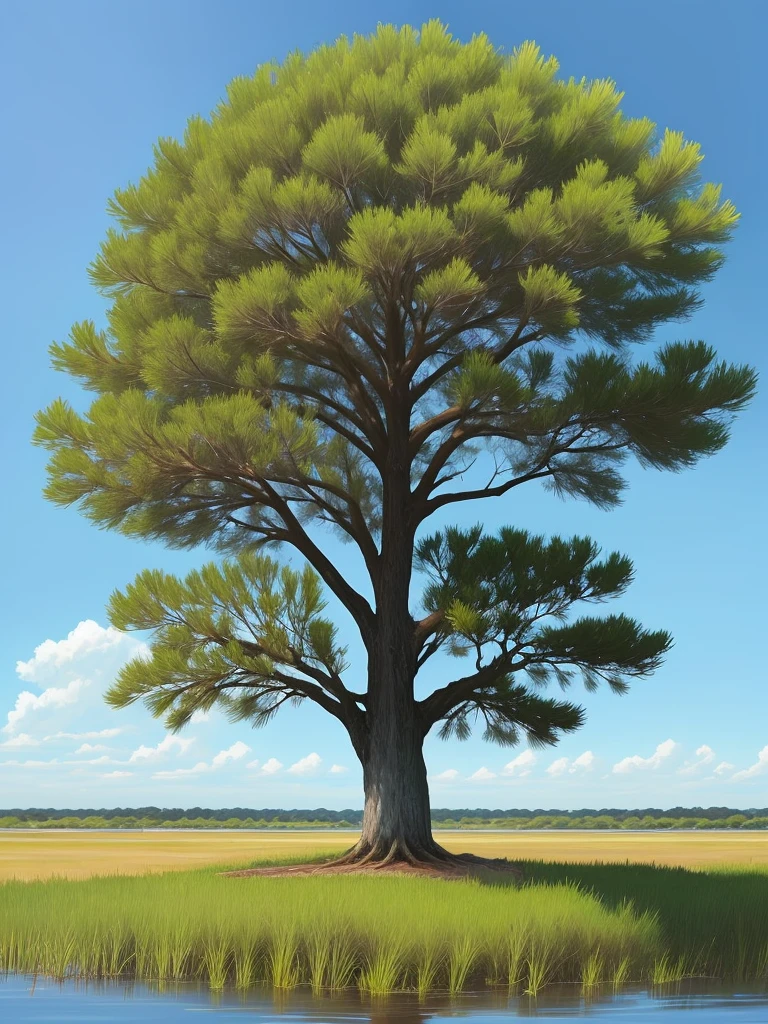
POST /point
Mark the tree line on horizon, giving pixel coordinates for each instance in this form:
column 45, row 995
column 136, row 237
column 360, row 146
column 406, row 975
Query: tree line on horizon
column 517, row 818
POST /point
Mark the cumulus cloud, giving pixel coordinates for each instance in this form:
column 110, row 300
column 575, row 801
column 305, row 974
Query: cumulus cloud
column 253, row 764
column 165, row 746
column 233, row 753
column 338, row 769
column 22, row 740
column 271, row 767
column 116, row 775
column 449, row 775
column 308, row 765
column 72, row 675
column 758, row 768
column 28, row 703
column 662, row 752
column 724, row 767
column 86, row 638
column 705, row 755
column 521, row 765
column 199, row 717
column 482, row 775
column 583, row 763
column 90, row 748
column 558, row 767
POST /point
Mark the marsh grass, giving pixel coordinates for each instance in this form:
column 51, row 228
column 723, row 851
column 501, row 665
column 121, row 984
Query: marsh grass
column 569, row 923
column 379, row 934
column 712, row 923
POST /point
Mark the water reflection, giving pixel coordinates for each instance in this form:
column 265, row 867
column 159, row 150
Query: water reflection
column 24, row 1000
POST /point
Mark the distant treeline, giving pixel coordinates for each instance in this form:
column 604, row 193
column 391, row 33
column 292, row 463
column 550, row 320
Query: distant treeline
column 482, row 817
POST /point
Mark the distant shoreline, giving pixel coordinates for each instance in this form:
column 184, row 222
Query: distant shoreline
column 354, row 831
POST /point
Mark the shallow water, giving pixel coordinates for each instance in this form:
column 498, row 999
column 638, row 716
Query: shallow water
column 25, row 1000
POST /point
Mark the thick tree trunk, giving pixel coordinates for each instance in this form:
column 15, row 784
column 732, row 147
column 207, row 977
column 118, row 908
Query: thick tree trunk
column 396, row 818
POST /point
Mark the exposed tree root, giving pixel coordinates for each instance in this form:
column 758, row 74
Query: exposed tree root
column 399, row 857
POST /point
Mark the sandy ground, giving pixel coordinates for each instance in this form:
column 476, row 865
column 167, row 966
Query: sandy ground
column 30, row 855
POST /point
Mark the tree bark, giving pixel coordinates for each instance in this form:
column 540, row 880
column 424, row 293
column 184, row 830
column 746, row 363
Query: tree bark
column 396, row 818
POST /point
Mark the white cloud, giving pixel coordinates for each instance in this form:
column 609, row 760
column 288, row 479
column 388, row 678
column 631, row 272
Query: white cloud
column 253, row 764
column 520, row 765
column 338, row 769
column 90, row 748
column 482, row 775
column 54, row 697
column 271, row 766
column 660, row 754
column 86, row 638
column 233, row 753
column 724, row 767
column 758, row 768
column 197, row 769
column 308, row 765
column 558, row 767
column 449, row 775
column 198, row 717
column 165, row 746
column 586, row 762
column 71, row 676
column 54, row 763
column 22, row 740
column 705, row 754
column 101, row 734
column 116, row 775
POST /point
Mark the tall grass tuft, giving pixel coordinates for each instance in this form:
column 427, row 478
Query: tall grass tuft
column 376, row 933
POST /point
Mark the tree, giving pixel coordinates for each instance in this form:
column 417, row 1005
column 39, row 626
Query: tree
column 374, row 273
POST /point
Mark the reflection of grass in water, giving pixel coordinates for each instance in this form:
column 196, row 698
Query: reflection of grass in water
column 569, row 923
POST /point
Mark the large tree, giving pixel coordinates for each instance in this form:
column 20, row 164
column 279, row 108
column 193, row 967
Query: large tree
column 396, row 275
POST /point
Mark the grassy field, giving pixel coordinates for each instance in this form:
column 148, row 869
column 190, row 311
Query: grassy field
column 642, row 914
column 31, row 855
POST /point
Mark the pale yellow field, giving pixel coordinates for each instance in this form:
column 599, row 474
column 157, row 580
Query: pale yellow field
column 28, row 855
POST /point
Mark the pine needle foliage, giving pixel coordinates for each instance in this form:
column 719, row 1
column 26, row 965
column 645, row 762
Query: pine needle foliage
column 369, row 264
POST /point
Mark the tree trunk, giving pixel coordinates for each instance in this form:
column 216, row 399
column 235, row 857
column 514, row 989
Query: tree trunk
column 396, row 819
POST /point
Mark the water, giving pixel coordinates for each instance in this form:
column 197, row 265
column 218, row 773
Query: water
column 25, row 1000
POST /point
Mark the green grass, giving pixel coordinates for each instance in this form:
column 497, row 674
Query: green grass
column 590, row 924
column 380, row 934
column 714, row 923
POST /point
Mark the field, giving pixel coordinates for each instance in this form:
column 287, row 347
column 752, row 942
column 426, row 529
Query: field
column 594, row 909
column 30, row 855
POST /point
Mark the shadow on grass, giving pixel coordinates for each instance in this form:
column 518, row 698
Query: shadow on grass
column 717, row 920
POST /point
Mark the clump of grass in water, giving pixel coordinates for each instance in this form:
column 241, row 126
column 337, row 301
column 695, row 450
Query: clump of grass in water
column 376, row 933
column 216, row 956
column 592, row 971
column 283, row 960
column 384, row 967
column 461, row 959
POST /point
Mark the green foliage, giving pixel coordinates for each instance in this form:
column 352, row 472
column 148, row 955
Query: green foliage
column 376, row 934
column 247, row 635
column 368, row 266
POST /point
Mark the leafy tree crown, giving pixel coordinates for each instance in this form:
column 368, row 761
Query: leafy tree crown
column 368, row 265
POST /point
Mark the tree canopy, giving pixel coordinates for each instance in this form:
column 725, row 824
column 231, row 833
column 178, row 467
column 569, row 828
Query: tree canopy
column 372, row 268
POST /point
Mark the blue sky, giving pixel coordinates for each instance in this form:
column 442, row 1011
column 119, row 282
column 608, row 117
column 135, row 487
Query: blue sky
column 86, row 90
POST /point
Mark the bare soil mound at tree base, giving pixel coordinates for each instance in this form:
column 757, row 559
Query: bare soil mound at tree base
column 466, row 866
